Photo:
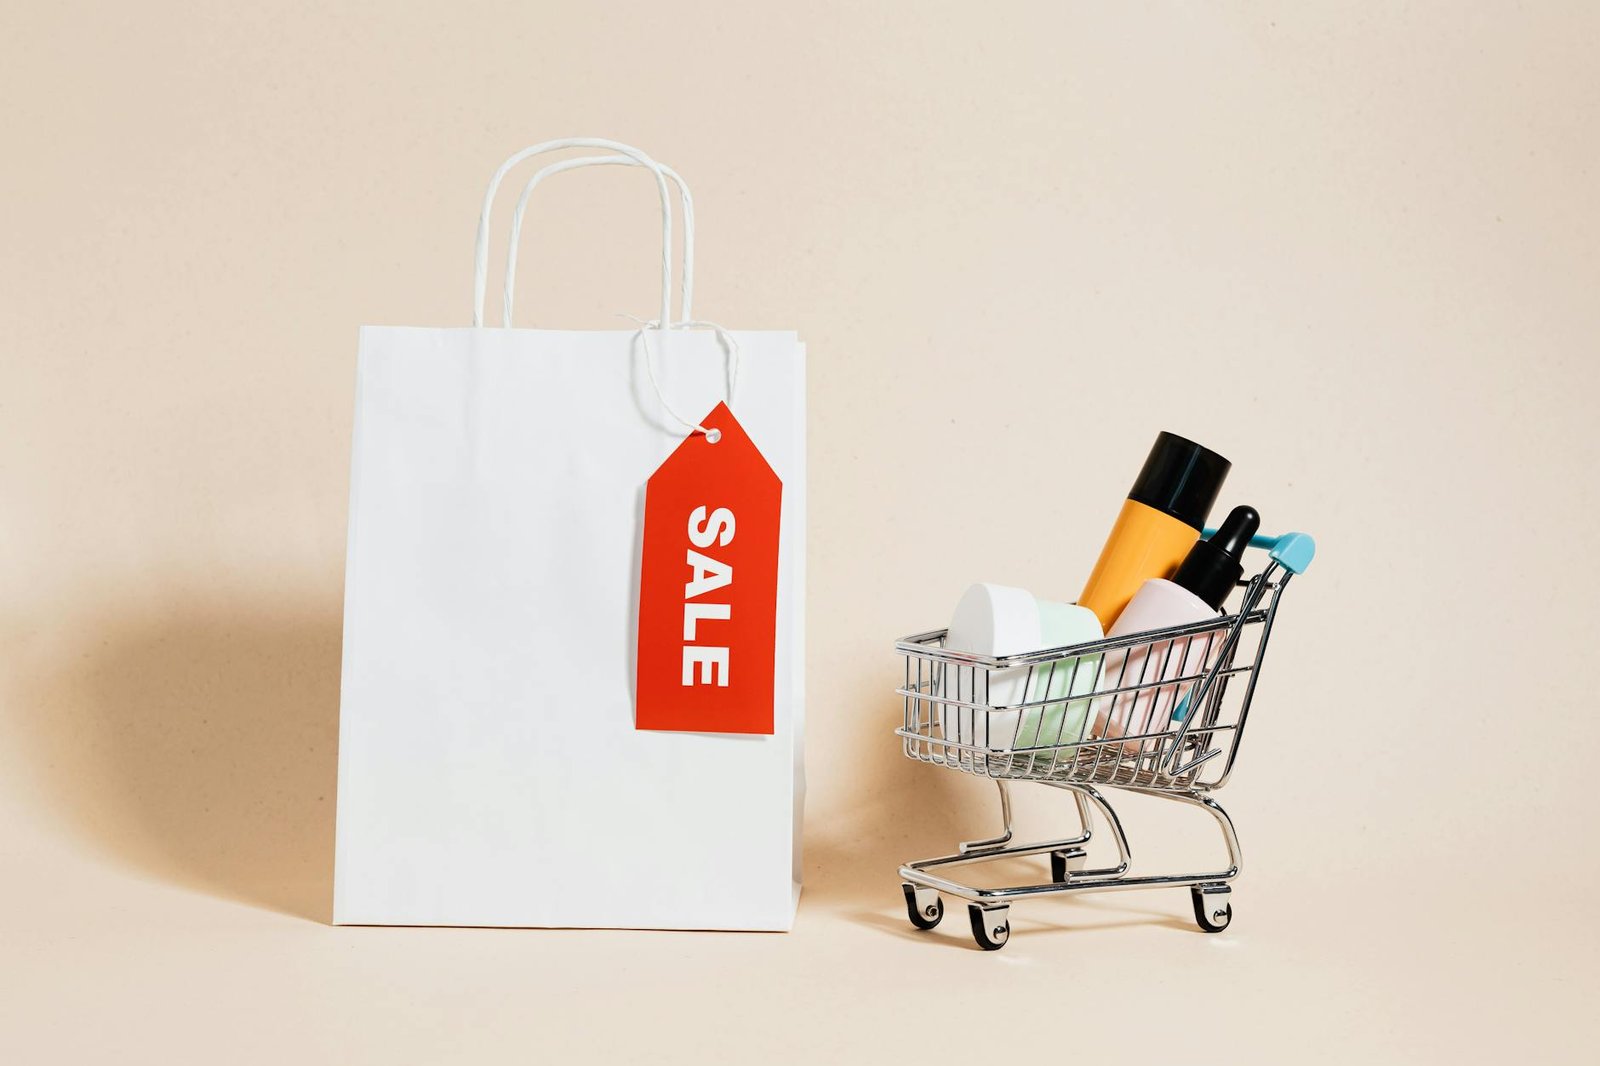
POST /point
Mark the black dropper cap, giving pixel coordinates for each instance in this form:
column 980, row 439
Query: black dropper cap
column 1213, row 566
column 1180, row 478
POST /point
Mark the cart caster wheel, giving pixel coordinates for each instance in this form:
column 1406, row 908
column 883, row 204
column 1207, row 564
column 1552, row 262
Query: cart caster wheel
column 1212, row 911
column 989, row 927
column 1068, row 860
column 923, row 906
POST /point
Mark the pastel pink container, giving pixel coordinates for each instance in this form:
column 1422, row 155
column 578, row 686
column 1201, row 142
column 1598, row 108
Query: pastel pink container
column 1158, row 604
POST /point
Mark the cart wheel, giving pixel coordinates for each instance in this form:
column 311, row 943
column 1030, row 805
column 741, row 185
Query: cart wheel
column 989, row 927
column 1068, row 860
column 923, row 906
column 1212, row 911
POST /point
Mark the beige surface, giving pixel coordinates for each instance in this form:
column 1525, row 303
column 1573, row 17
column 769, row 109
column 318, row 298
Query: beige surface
column 1356, row 252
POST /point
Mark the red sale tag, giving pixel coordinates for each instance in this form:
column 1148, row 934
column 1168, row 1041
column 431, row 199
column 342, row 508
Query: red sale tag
column 708, row 586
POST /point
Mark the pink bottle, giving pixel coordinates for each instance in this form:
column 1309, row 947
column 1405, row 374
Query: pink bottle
column 1197, row 591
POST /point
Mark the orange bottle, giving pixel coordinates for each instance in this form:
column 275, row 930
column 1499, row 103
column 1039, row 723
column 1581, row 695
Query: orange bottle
column 1159, row 522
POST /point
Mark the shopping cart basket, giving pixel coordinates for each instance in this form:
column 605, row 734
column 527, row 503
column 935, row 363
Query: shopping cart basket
column 1158, row 713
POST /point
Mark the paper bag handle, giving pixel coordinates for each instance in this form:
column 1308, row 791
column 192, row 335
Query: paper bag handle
column 480, row 275
column 685, row 201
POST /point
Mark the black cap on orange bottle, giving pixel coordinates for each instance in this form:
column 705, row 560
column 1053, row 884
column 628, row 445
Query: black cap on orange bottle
column 1180, row 478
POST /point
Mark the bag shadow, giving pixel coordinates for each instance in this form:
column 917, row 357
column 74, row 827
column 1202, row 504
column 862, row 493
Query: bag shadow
column 198, row 745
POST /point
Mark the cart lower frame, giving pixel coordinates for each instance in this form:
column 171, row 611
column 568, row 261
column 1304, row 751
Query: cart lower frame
column 989, row 908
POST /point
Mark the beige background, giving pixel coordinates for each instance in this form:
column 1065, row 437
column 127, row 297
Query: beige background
column 1353, row 249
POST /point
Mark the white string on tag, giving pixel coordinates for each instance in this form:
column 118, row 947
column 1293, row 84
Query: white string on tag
column 729, row 345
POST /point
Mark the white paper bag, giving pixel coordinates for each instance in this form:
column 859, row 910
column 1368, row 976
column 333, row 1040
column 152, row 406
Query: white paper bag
column 489, row 769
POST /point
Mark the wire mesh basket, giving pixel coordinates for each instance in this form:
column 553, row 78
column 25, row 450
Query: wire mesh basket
column 1164, row 709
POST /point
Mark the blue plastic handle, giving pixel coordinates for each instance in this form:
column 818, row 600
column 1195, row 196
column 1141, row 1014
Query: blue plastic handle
column 1292, row 551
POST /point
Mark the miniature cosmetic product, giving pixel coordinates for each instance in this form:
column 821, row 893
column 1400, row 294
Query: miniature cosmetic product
column 1197, row 591
column 996, row 620
column 1055, row 724
column 1159, row 522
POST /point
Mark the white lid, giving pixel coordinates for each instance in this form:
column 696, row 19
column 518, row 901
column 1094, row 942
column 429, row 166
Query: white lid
column 995, row 620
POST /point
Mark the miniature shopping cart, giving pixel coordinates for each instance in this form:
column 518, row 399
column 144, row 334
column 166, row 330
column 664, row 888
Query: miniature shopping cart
column 1158, row 713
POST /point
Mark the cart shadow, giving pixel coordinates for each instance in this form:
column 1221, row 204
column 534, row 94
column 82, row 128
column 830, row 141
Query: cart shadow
column 197, row 745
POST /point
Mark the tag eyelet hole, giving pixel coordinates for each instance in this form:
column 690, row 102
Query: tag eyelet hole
column 713, row 435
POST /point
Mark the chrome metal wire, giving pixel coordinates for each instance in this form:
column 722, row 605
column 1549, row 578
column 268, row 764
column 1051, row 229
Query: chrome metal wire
column 1170, row 728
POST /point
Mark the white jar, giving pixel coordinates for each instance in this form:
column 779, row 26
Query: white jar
column 1011, row 709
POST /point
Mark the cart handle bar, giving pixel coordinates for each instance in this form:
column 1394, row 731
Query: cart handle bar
column 1292, row 551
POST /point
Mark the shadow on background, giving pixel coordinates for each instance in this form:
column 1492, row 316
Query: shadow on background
column 198, row 745
column 898, row 810
column 200, row 748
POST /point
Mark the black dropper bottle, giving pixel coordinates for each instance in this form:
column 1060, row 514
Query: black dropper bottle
column 1212, row 567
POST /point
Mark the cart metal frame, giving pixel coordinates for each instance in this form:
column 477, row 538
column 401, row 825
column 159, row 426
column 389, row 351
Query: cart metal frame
column 1185, row 724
